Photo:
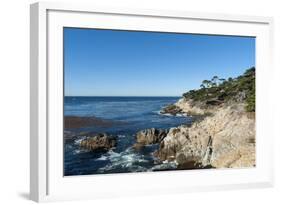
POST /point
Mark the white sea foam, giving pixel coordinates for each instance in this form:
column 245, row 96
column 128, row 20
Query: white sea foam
column 166, row 114
column 78, row 141
column 157, row 112
column 79, row 151
column 121, row 136
column 124, row 159
column 102, row 158
column 166, row 165
column 181, row 115
column 170, row 115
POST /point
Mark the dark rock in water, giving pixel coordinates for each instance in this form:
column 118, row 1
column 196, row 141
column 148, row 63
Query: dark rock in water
column 99, row 142
column 171, row 109
column 71, row 122
column 150, row 136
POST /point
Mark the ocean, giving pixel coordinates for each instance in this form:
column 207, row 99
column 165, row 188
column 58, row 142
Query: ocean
column 132, row 114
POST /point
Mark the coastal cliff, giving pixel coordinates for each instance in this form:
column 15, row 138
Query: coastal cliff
column 211, row 127
column 224, row 139
column 225, row 135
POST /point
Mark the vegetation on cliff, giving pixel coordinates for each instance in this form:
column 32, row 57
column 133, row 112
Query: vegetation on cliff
column 224, row 137
column 218, row 90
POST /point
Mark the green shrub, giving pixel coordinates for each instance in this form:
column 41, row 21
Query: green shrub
column 225, row 90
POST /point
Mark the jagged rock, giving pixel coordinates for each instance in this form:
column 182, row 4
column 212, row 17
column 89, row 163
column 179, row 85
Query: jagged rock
column 225, row 139
column 189, row 107
column 99, row 142
column 149, row 136
column 171, row 109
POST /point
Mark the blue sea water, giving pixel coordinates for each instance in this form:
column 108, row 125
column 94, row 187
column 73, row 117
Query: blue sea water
column 132, row 114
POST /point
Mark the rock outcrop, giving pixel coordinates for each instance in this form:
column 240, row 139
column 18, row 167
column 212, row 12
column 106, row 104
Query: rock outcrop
column 149, row 136
column 224, row 135
column 184, row 106
column 225, row 139
column 187, row 106
column 171, row 109
column 99, row 142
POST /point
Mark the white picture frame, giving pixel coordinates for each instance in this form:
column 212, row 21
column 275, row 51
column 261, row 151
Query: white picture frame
column 47, row 182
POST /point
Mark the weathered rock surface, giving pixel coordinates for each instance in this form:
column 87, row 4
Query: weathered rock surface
column 99, row 142
column 149, row 136
column 187, row 106
column 171, row 109
column 225, row 139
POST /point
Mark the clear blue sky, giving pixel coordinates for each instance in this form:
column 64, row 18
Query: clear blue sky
column 127, row 63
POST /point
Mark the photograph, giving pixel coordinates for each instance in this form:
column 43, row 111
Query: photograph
column 148, row 101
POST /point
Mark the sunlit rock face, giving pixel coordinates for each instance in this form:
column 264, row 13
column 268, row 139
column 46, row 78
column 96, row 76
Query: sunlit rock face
column 224, row 139
column 99, row 142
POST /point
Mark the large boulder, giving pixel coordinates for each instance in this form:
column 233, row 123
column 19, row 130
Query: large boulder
column 149, row 136
column 99, row 142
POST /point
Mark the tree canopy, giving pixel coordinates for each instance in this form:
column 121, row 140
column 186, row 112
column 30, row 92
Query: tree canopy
column 239, row 89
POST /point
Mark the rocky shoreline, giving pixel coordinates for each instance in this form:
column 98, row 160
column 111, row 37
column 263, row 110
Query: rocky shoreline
column 225, row 138
column 221, row 135
column 225, row 135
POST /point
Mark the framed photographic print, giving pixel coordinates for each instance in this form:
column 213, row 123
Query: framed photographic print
column 128, row 101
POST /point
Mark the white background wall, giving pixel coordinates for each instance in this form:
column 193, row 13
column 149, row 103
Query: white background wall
column 14, row 101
